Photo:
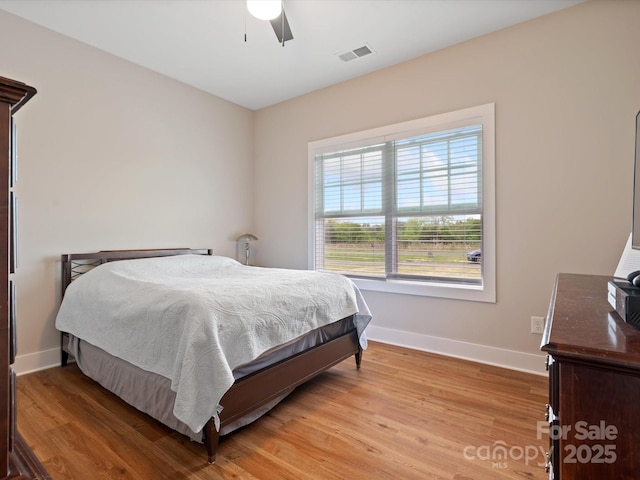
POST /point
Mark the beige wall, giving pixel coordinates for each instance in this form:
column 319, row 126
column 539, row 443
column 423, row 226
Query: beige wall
column 566, row 88
column 114, row 156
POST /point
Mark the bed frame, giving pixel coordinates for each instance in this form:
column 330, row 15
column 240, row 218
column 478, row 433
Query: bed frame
column 251, row 392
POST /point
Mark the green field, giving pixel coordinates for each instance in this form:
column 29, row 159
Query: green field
column 440, row 261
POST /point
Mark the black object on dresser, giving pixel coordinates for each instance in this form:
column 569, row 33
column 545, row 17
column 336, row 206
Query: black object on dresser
column 594, row 384
column 17, row 461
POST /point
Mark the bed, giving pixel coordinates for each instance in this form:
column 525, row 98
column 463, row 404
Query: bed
column 165, row 376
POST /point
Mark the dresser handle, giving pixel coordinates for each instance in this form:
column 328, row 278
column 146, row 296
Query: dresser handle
column 547, row 464
column 548, row 362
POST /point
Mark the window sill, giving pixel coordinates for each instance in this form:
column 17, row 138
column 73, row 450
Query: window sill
column 406, row 287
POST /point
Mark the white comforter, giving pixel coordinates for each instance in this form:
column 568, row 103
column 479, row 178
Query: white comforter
column 194, row 318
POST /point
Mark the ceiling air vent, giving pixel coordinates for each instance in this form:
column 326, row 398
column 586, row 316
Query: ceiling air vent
column 356, row 53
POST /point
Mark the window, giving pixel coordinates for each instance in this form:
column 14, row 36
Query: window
column 409, row 208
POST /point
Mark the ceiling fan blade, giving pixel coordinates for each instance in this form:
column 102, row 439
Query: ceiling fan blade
column 281, row 26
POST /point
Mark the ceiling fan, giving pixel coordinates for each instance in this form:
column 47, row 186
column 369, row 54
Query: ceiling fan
column 273, row 11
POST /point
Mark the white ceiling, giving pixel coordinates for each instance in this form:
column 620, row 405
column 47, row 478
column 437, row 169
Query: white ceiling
column 201, row 42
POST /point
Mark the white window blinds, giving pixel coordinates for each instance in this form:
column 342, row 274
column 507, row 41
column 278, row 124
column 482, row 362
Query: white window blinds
column 408, row 207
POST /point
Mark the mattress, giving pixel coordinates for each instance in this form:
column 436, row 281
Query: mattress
column 151, row 393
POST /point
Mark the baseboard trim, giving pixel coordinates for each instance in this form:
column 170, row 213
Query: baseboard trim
column 500, row 357
column 33, row 362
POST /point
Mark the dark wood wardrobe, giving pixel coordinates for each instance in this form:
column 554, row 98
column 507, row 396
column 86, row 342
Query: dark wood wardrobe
column 17, row 461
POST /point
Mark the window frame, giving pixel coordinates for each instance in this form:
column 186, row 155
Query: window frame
column 482, row 114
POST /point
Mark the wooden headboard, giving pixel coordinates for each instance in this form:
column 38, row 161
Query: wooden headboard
column 75, row 264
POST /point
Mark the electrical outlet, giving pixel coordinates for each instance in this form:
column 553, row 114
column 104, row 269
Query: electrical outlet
column 537, row 324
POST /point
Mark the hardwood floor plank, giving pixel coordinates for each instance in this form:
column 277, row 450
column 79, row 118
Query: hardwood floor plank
column 404, row 414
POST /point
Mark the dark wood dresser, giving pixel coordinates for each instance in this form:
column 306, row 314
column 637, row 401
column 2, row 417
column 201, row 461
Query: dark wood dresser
column 594, row 384
column 16, row 458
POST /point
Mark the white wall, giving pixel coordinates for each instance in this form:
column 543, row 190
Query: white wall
column 566, row 88
column 112, row 156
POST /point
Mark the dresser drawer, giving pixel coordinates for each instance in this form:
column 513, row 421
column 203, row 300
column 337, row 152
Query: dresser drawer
column 13, row 340
column 13, row 420
column 13, row 233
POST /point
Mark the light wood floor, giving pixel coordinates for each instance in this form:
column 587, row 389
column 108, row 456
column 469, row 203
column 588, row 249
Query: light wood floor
column 404, row 415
